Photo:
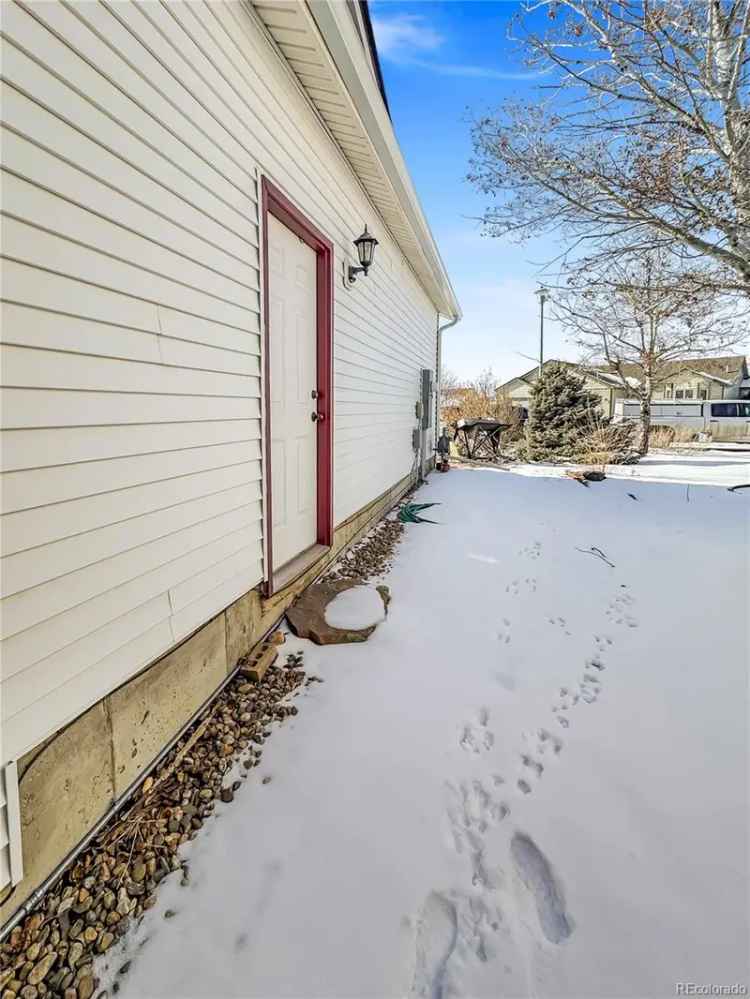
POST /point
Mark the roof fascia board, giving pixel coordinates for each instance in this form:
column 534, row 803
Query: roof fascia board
column 339, row 34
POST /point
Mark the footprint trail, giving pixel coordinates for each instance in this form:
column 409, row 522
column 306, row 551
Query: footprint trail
column 437, row 933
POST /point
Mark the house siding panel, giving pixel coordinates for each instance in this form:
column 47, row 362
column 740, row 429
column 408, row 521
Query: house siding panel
column 134, row 139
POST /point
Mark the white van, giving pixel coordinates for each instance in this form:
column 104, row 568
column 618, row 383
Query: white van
column 723, row 419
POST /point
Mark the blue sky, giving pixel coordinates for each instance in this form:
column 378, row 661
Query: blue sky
column 444, row 62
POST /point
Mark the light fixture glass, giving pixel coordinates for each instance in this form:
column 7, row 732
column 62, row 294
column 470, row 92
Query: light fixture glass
column 365, row 244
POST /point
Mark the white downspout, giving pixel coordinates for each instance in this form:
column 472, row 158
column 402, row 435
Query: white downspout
column 438, row 362
column 422, row 453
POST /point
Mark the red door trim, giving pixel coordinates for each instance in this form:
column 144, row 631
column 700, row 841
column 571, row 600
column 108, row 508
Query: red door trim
column 274, row 202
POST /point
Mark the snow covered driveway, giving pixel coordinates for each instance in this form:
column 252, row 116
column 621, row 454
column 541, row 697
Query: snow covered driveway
column 531, row 780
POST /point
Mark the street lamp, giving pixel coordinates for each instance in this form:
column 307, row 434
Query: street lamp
column 542, row 294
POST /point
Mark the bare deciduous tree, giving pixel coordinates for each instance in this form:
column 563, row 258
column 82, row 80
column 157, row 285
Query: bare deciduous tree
column 449, row 383
column 484, row 388
column 473, row 400
column 451, row 392
column 641, row 131
column 642, row 314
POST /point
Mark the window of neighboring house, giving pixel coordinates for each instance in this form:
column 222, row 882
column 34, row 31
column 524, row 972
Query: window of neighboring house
column 724, row 409
column 688, row 391
column 703, row 392
column 669, row 391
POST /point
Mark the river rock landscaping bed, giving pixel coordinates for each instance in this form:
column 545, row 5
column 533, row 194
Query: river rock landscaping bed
column 110, row 885
column 372, row 556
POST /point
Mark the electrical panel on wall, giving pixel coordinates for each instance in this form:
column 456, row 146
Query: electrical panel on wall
column 427, row 390
column 11, row 854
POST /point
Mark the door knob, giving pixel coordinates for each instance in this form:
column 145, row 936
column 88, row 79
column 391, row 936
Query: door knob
column 317, row 417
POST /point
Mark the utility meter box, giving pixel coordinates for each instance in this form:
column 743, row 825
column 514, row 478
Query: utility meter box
column 427, row 390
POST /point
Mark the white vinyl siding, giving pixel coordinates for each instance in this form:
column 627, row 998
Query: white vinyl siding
column 133, row 142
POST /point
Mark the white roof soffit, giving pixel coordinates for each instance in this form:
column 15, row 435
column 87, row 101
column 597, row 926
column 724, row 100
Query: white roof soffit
column 322, row 46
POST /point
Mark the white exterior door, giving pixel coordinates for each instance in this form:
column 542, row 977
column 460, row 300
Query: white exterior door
column 293, row 379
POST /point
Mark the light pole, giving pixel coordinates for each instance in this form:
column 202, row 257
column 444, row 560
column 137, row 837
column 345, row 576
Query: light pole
column 542, row 294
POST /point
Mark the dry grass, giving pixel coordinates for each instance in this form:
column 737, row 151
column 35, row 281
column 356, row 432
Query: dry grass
column 665, row 437
column 607, row 444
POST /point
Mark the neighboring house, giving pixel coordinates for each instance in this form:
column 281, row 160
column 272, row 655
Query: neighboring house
column 606, row 386
column 706, row 378
column 200, row 408
column 698, row 378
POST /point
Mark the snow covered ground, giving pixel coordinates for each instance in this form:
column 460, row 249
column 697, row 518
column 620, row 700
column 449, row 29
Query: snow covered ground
column 530, row 781
column 714, row 468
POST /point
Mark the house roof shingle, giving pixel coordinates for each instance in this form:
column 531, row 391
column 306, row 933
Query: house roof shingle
column 729, row 367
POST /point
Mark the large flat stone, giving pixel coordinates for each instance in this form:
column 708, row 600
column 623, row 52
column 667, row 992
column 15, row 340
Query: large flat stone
column 307, row 616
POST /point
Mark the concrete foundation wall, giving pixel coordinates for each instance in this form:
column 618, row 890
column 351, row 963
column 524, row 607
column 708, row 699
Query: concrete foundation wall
column 69, row 782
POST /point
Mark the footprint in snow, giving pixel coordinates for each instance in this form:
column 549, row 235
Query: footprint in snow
column 565, row 700
column 596, row 662
column 590, row 688
column 533, row 765
column 537, row 875
column 546, row 740
column 477, row 738
column 542, row 743
column 503, row 633
column 437, row 932
column 475, row 808
column 532, row 551
column 618, row 608
column 563, row 704
column 479, row 922
column 602, row 642
column 561, row 623
column 506, row 680
column 532, row 772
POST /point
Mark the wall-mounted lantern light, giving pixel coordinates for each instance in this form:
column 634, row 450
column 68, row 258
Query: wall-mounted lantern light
column 365, row 244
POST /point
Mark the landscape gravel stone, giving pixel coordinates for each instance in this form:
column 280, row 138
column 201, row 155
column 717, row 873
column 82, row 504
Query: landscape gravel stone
column 51, row 952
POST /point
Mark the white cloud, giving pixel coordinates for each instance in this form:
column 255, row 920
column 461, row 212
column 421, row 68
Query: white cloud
column 403, row 35
column 486, row 72
column 406, row 38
